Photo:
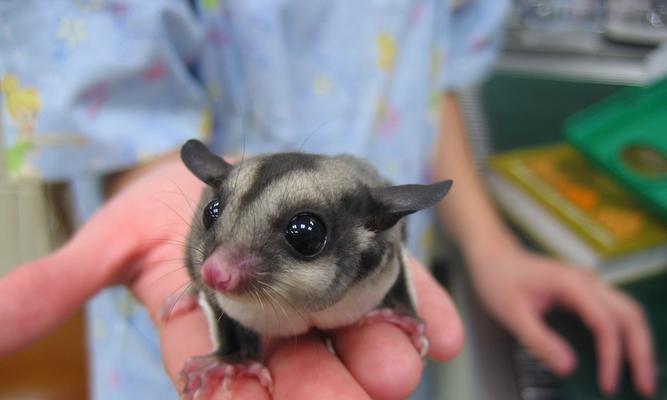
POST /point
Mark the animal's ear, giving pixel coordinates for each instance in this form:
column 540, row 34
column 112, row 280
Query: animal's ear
column 206, row 166
column 391, row 203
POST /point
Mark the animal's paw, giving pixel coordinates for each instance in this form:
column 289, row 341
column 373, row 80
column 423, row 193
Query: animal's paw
column 412, row 326
column 202, row 375
column 177, row 304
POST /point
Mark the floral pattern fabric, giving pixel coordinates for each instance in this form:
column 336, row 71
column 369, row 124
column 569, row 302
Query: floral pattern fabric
column 93, row 86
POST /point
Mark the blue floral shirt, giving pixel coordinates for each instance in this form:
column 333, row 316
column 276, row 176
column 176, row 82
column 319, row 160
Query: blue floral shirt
column 92, row 86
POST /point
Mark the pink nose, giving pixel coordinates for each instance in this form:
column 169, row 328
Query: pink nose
column 226, row 271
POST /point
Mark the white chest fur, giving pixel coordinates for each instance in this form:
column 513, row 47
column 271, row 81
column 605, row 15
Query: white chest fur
column 283, row 320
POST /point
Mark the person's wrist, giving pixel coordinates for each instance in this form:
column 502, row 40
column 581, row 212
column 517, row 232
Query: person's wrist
column 118, row 180
column 488, row 247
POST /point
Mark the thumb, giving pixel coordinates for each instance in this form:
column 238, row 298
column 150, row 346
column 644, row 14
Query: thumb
column 36, row 297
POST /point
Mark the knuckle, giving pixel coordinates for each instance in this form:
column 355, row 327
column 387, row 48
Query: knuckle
column 580, row 279
column 598, row 317
column 533, row 338
column 587, row 277
column 571, row 281
column 635, row 313
column 604, row 326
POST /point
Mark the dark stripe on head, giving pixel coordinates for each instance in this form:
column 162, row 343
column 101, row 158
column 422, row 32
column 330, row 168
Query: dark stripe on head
column 342, row 254
column 370, row 259
column 275, row 167
column 353, row 263
column 356, row 201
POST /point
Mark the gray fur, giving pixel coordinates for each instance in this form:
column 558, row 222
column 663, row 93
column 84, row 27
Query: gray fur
column 362, row 266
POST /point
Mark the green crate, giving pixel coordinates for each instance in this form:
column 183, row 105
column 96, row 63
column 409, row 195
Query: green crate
column 626, row 135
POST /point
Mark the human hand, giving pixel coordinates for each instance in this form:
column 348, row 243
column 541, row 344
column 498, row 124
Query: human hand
column 519, row 287
column 137, row 239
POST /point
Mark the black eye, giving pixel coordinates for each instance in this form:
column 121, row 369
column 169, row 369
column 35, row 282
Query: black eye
column 306, row 234
column 211, row 212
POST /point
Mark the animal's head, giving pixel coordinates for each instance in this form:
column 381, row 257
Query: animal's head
column 295, row 228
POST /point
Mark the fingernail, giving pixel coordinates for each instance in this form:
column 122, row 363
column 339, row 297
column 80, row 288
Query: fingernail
column 610, row 388
column 563, row 363
column 649, row 385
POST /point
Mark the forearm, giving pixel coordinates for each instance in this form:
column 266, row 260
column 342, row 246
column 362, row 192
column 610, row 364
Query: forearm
column 499, row 265
column 119, row 180
column 38, row 296
column 467, row 212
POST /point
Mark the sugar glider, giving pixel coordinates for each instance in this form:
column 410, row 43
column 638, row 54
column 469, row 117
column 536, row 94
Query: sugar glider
column 286, row 242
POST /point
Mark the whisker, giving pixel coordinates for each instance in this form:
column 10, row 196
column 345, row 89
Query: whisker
column 243, row 151
column 295, row 337
column 164, row 203
column 284, row 299
column 273, row 302
column 176, row 243
column 310, row 135
column 166, row 274
column 187, row 199
column 255, row 295
column 184, row 290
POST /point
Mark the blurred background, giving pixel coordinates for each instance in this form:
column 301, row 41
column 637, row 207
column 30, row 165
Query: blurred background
column 560, row 58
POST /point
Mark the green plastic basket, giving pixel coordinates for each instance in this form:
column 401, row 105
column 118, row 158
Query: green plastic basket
column 626, row 135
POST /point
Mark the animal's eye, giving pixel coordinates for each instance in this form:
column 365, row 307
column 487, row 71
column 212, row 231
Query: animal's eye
column 211, row 212
column 307, row 234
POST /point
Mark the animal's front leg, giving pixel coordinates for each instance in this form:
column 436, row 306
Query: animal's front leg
column 399, row 308
column 238, row 353
column 202, row 375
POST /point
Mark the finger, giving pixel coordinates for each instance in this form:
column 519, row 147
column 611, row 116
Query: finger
column 30, row 305
column 36, row 297
column 243, row 388
column 545, row 344
column 186, row 335
column 303, row 368
column 443, row 324
column 181, row 337
column 381, row 358
column 584, row 298
column 638, row 341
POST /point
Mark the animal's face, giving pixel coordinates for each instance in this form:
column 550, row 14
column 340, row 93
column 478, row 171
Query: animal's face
column 294, row 229
column 286, row 227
